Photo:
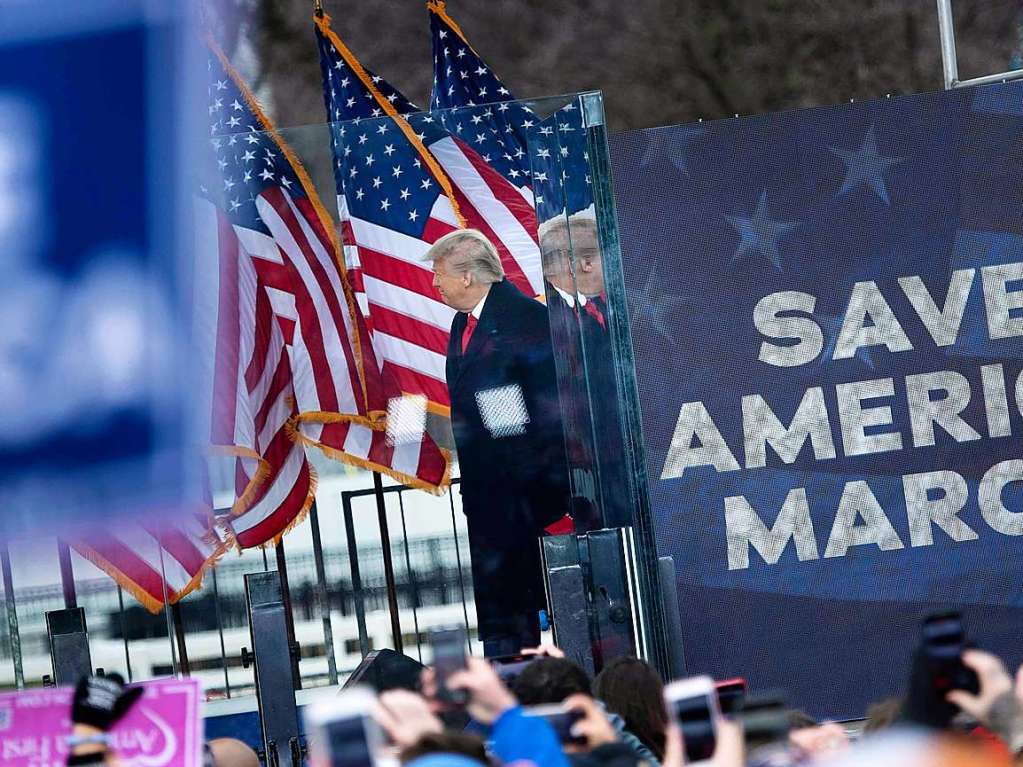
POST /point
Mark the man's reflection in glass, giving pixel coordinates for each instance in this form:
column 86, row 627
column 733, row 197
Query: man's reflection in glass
column 574, row 268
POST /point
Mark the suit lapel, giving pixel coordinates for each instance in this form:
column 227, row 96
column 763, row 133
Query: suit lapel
column 484, row 334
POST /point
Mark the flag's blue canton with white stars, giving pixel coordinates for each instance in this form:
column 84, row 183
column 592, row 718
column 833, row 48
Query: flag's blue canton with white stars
column 560, row 158
column 346, row 96
column 385, row 179
column 376, row 167
column 244, row 160
column 462, row 82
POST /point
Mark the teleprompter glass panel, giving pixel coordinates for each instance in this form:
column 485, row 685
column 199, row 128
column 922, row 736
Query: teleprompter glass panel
column 582, row 259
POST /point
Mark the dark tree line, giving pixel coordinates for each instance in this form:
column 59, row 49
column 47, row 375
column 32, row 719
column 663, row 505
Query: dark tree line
column 658, row 61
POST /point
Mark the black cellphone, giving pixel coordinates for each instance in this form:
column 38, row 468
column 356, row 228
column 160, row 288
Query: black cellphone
column 448, row 645
column 943, row 642
column 561, row 720
column 765, row 718
column 731, row 695
column 508, row 667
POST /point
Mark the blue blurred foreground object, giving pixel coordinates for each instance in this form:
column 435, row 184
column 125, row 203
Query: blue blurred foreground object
column 91, row 413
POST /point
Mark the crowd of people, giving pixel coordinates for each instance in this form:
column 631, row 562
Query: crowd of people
column 620, row 719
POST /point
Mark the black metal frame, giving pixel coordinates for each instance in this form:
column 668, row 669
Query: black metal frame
column 380, row 492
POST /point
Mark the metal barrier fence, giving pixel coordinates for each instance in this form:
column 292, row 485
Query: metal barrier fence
column 343, row 601
column 386, row 560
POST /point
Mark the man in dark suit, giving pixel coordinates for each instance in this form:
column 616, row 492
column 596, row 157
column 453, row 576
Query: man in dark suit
column 506, row 421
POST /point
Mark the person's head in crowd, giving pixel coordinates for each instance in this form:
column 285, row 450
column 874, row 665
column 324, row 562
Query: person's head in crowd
column 448, row 742
column 550, row 680
column 572, row 241
column 229, row 752
column 465, row 265
column 634, row 690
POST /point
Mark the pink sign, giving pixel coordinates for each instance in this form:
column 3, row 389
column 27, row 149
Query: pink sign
column 163, row 729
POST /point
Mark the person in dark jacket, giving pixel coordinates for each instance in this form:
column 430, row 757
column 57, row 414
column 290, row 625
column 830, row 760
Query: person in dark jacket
column 580, row 322
column 506, row 420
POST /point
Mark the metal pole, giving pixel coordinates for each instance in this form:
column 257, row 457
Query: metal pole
column 385, row 541
column 413, row 586
column 458, row 560
column 322, row 596
column 1000, row 77
column 179, row 636
column 124, row 631
column 220, row 630
column 353, row 564
column 167, row 615
column 946, row 30
column 12, row 616
column 67, row 575
column 289, row 615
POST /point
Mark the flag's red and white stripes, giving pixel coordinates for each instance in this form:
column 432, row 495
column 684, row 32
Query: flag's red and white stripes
column 258, row 342
column 340, row 417
column 152, row 561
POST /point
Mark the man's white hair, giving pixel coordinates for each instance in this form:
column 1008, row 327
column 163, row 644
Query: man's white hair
column 556, row 233
column 468, row 251
column 562, row 226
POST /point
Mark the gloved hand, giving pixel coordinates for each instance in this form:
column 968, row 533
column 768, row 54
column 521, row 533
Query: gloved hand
column 102, row 700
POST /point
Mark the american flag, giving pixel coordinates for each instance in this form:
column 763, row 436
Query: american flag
column 549, row 155
column 403, row 181
column 462, row 80
column 152, row 560
column 308, row 373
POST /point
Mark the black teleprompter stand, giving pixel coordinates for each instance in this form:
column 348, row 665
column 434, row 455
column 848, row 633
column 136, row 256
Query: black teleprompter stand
column 594, row 596
column 272, row 657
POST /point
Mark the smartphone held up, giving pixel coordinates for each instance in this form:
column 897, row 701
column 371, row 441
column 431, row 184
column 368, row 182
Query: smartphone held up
column 448, row 646
column 693, row 705
column 343, row 733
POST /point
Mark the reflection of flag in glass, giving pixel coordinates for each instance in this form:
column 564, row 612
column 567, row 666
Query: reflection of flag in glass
column 403, row 182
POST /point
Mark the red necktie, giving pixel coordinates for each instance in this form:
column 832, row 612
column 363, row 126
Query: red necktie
column 470, row 325
column 592, row 310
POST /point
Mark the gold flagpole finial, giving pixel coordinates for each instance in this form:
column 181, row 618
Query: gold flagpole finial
column 318, row 7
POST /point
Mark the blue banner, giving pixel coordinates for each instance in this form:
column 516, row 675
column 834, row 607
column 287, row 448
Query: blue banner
column 827, row 316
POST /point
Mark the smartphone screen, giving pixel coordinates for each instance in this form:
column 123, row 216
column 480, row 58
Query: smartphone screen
column 561, row 722
column 348, row 743
column 448, row 657
column 943, row 635
column 693, row 704
column 341, row 731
